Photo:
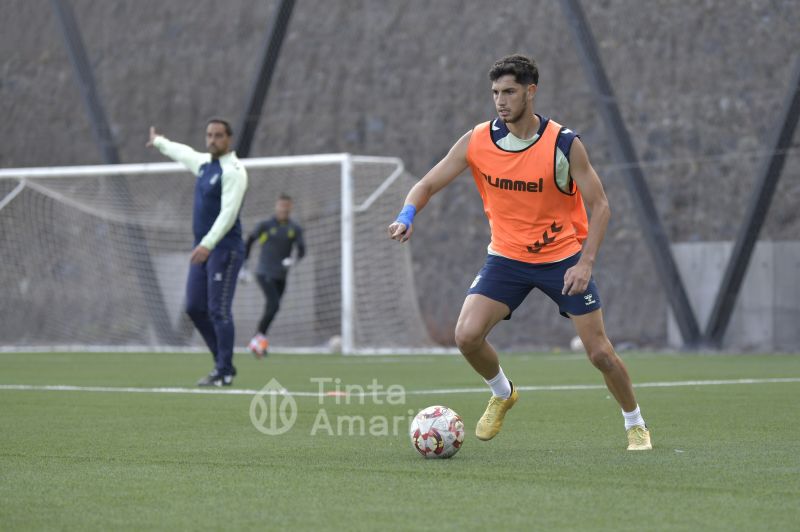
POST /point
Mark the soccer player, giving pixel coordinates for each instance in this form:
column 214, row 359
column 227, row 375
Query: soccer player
column 277, row 235
column 218, row 246
column 533, row 176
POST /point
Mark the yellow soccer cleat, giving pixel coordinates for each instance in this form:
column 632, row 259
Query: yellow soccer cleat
column 492, row 419
column 639, row 439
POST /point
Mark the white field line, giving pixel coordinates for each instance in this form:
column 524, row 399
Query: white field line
column 380, row 392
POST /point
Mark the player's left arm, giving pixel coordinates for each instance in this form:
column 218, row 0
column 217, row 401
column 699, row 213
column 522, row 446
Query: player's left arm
column 234, row 185
column 300, row 242
column 577, row 278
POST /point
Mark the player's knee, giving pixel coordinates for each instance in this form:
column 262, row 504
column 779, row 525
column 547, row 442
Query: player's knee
column 603, row 358
column 468, row 339
column 195, row 310
column 220, row 315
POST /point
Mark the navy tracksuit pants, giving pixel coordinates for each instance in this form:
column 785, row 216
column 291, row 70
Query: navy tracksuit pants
column 209, row 298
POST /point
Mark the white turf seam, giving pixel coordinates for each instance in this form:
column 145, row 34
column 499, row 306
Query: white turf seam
column 380, row 393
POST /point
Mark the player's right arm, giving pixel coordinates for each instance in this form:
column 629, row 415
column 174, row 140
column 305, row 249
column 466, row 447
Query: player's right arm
column 435, row 180
column 176, row 151
column 255, row 234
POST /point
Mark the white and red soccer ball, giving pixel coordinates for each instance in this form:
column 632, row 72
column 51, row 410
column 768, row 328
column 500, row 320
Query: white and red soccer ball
column 437, row 432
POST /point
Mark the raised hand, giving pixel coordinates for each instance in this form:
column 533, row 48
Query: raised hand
column 153, row 136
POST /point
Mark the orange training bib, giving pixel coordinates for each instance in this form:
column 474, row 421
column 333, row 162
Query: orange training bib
column 531, row 218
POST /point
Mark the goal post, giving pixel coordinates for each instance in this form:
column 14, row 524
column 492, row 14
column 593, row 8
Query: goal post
column 86, row 266
column 348, row 268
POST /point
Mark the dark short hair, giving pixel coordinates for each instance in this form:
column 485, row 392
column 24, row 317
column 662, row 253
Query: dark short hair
column 228, row 129
column 284, row 196
column 521, row 67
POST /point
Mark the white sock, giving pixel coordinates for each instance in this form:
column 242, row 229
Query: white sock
column 633, row 418
column 500, row 385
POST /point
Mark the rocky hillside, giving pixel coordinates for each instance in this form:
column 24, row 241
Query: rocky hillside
column 701, row 86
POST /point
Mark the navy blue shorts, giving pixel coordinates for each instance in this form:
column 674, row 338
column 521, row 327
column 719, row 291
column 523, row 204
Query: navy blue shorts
column 509, row 281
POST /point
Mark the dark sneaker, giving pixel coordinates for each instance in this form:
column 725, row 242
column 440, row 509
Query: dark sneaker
column 214, row 379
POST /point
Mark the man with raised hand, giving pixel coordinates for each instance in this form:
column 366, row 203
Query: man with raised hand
column 218, row 246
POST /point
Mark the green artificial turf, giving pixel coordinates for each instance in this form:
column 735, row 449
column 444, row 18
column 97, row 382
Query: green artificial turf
column 726, row 457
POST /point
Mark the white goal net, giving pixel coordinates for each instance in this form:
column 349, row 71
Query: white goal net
column 96, row 257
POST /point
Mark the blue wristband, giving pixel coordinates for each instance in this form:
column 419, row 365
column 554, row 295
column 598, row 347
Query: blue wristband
column 406, row 216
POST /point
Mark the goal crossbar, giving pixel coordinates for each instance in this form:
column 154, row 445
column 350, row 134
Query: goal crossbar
column 160, row 168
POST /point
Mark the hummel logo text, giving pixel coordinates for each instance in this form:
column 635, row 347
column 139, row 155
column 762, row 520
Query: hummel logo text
column 517, row 185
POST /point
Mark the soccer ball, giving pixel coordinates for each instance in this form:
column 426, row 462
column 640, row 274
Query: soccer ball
column 437, row 432
column 576, row 344
column 335, row 344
